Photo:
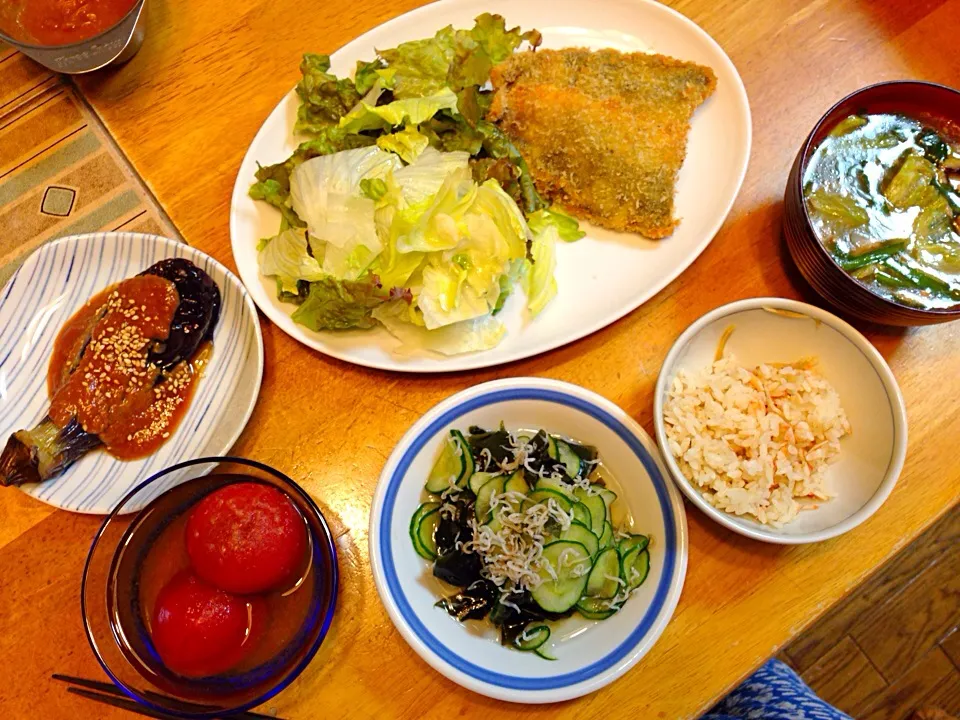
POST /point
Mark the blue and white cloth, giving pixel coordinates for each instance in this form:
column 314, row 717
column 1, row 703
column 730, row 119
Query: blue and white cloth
column 774, row 692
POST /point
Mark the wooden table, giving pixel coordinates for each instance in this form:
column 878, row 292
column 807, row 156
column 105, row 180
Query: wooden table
column 184, row 111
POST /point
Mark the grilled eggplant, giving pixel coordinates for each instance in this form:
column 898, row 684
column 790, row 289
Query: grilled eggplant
column 124, row 386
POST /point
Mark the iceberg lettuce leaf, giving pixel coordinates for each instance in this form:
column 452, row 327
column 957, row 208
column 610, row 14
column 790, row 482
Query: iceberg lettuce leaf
column 325, row 192
column 409, row 111
column 287, row 258
column 273, row 181
column 568, row 229
column 422, row 179
column 407, row 143
column 481, row 333
column 436, row 224
column 538, row 281
column 445, row 299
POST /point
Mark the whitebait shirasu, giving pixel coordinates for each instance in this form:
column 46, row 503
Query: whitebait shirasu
column 512, row 555
column 536, row 532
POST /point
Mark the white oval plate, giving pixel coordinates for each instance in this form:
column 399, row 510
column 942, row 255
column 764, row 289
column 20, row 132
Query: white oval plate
column 589, row 654
column 871, row 457
column 602, row 277
column 55, row 282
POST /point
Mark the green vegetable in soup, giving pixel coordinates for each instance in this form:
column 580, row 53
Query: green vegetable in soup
column 952, row 198
column 889, row 279
column 922, row 280
column 912, row 184
column 944, row 256
column 838, row 209
column 848, row 125
column 852, row 262
column 934, row 222
column 882, row 195
column 934, row 148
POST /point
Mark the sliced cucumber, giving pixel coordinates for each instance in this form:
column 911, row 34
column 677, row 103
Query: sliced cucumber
column 479, row 479
column 606, row 539
column 532, row 637
column 481, row 508
column 635, row 566
column 514, row 484
column 517, row 484
column 426, row 530
column 523, row 438
column 543, row 495
column 571, row 461
column 628, row 543
column 544, row 653
column 581, row 514
column 597, row 508
column 609, row 497
column 552, row 450
column 570, row 562
column 607, row 566
column 454, row 466
column 557, row 486
column 594, row 608
column 424, row 509
column 578, row 532
column 587, row 453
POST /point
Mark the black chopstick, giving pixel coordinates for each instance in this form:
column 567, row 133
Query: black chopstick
column 123, row 703
column 112, row 695
column 112, row 689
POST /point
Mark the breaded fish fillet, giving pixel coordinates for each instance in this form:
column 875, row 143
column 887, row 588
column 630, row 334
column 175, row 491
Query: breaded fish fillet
column 604, row 133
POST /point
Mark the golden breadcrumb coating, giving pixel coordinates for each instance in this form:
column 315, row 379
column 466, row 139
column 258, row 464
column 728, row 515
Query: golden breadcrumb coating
column 604, row 132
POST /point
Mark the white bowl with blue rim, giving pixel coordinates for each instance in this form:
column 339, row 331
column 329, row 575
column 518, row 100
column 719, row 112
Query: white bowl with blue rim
column 51, row 285
column 770, row 330
column 590, row 654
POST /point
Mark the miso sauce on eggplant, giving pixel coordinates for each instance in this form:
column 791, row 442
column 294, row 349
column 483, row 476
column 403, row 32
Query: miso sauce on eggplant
column 883, row 195
column 122, row 372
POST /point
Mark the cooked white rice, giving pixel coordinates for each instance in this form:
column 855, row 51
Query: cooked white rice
column 756, row 441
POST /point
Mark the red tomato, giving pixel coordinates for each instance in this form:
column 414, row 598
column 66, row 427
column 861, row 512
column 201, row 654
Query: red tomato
column 199, row 630
column 246, row 538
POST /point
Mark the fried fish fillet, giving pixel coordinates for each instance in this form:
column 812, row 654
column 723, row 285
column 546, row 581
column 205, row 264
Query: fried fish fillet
column 603, row 132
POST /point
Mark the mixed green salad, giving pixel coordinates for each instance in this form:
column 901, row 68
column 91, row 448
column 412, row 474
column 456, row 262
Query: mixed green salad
column 523, row 523
column 404, row 207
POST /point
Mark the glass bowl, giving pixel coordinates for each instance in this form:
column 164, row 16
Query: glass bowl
column 111, row 594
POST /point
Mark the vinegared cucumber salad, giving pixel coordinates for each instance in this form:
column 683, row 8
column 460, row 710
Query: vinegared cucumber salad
column 529, row 528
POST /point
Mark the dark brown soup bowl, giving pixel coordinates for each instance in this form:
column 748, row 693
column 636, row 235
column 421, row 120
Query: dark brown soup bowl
column 924, row 101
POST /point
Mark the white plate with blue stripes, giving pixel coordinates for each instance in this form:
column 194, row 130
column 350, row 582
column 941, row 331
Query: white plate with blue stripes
column 55, row 282
column 589, row 654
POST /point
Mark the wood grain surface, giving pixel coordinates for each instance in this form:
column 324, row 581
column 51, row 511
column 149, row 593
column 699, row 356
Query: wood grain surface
column 184, row 111
column 906, row 612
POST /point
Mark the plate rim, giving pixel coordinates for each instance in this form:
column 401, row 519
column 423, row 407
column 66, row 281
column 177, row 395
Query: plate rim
column 250, row 310
column 476, row 360
column 630, row 650
column 898, row 413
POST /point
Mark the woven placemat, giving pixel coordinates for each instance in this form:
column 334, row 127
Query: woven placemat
column 60, row 172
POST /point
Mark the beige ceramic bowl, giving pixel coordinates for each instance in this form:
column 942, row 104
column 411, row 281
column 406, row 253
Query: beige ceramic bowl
column 871, row 456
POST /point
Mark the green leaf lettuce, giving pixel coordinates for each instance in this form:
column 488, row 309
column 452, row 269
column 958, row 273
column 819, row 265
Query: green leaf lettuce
column 341, row 304
column 324, row 98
